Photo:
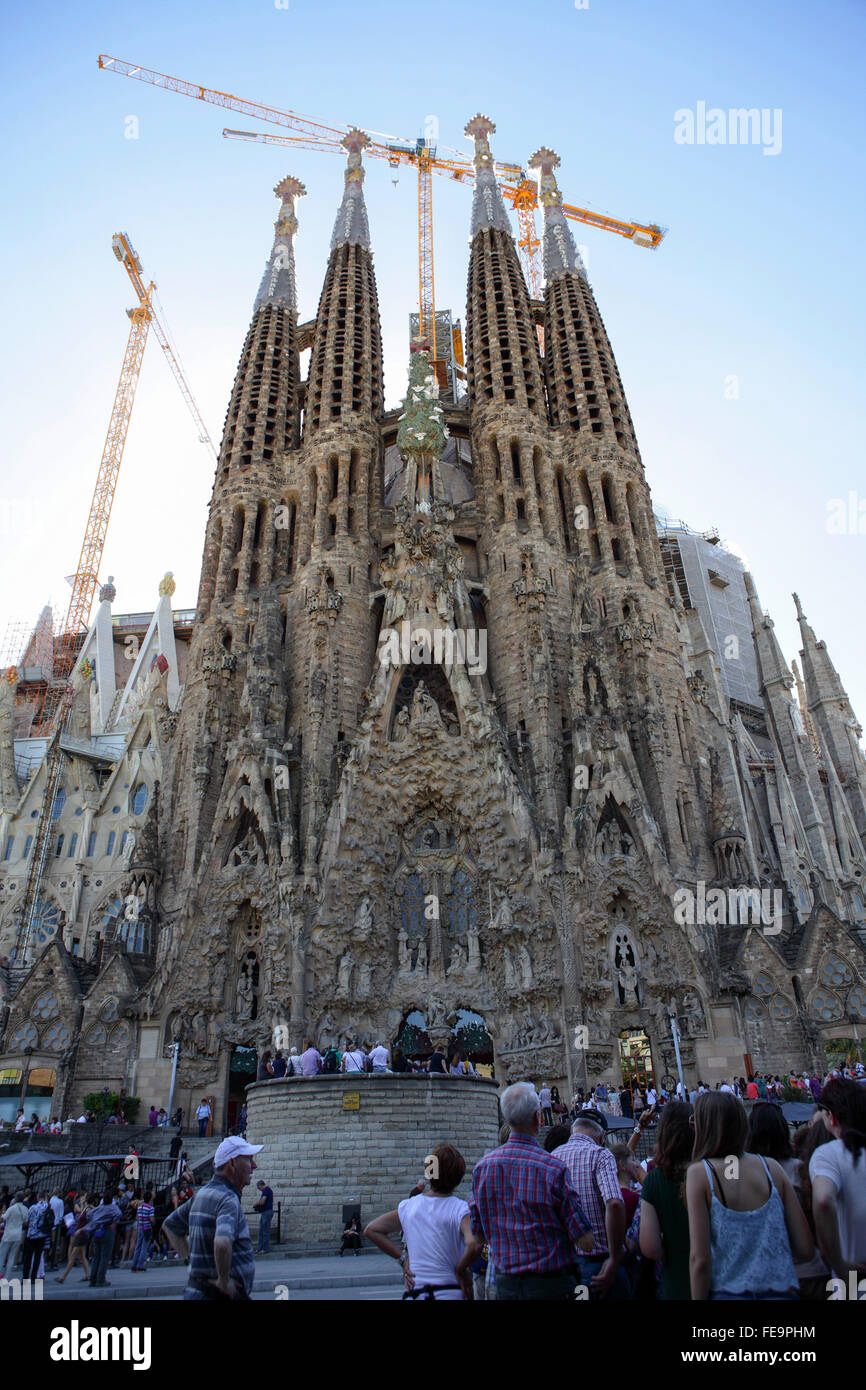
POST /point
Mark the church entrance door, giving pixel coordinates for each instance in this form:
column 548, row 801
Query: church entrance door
column 635, row 1057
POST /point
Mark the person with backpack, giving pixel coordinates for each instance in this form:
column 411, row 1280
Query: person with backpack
column 331, row 1061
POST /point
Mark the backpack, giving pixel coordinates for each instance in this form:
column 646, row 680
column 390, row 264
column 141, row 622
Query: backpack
column 47, row 1224
column 330, row 1062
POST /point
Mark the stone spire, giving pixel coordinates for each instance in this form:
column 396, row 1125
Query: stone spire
column 830, row 710
column 351, row 227
column 561, row 256
column 488, row 209
column 278, row 281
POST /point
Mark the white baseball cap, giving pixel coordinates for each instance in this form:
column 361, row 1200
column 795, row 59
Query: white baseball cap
column 234, row 1147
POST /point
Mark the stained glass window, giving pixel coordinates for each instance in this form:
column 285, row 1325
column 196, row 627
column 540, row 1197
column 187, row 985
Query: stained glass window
column 825, row 1005
column 25, row 1035
column 412, row 917
column 835, row 971
column 460, row 905
column 857, row 1002
column 46, row 1005
column 753, row 1011
column 56, row 1036
column 781, row 1009
column 763, row 985
column 139, row 799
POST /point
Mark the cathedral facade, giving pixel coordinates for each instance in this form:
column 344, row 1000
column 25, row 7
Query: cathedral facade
column 446, row 742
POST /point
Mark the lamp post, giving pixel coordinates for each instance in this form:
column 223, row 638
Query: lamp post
column 174, row 1049
column 675, row 1034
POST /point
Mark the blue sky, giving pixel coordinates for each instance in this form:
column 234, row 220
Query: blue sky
column 759, row 279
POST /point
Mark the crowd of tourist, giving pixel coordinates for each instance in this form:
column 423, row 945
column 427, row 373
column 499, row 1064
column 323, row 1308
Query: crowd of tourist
column 97, row 1231
column 729, row 1206
column 353, row 1058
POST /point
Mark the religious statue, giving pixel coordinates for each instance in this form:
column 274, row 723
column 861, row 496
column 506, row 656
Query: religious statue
column 363, row 920
column 458, row 960
column 525, row 965
column 401, row 725
column 344, row 973
column 511, row 982
column 245, row 994
column 693, row 1012
column 421, row 962
column 364, row 979
column 403, row 962
column 474, row 956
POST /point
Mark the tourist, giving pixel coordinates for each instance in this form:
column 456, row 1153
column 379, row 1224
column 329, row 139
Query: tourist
column 20, row 1120
column 838, row 1175
column 293, row 1063
column 351, row 1236
column 354, row 1060
column 625, row 1102
column 399, row 1063
column 746, row 1225
column 203, row 1114
column 15, row 1217
column 331, row 1062
column 664, row 1220
column 144, row 1214
column 55, row 1201
column 638, row 1101
column 101, row 1226
column 768, row 1134
column 162, row 1119
column 311, row 1060
column 436, row 1226
column 544, row 1099
column 525, row 1207
column 265, row 1207
column 78, row 1237
column 557, row 1107
column 128, row 1228
column 379, row 1059
column 153, row 1116
column 593, row 1173
column 437, row 1064
column 752, row 1089
column 277, row 1067
column 812, row 1275
column 651, row 1097
column 40, row 1223
column 263, row 1071
column 556, row 1136
column 631, row 1176
column 211, row 1230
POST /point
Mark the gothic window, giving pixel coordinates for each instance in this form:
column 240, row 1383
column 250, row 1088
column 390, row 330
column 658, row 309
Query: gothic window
column 97, row 1036
column 46, row 920
column 120, row 1035
column 856, row 900
column 139, row 799
column 112, row 911
column 46, row 1006
column 825, row 1006
column 835, row 971
column 802, row 894
column 56, row 1036
column 753, row 1011
column 59, row 803
column 763, row 985
column 25, row 1035
column 781, row 1009
column 460, row 906
column 412, row 918
column 857, row 1002
column 108, row 1010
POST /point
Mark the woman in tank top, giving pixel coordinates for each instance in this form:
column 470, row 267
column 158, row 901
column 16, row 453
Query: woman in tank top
column 746, row 1226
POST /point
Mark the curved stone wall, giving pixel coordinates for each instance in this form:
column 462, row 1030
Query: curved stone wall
column 319, row 1155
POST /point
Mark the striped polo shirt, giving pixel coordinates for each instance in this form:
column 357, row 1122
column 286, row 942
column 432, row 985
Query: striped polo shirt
column 214, row 1211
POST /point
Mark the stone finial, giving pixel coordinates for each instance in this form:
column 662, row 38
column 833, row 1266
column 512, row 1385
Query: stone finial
column 354, row 142
column 278, row 281
column 478, row 129
column 287, row 190
column 488, row 209
column 351, row 226
column 561, row 256
column 800, row 613
column 167, row 585
column 545, row 161
column 108, row 593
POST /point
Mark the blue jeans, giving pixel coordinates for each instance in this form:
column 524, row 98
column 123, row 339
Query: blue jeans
column 202, row 1126
column 264, row 1244
column 559, row 1286
column 142, row 1245
column 590, row 1265
column 103, row 1244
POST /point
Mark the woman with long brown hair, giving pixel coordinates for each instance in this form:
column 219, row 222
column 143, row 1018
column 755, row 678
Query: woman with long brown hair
column 664, row 1220
column 746, row 1226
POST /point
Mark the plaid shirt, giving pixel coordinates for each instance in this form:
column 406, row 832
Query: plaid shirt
column 594, row 1176
column 523, row 1204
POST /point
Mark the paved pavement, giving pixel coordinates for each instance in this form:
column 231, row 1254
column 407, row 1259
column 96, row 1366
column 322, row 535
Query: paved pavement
column 370, row 1275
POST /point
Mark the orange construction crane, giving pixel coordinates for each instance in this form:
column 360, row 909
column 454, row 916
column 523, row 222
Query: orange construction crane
column 58, row 696
column 516, row 186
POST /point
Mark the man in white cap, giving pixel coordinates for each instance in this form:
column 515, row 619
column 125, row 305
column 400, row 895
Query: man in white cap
column 211, row 1228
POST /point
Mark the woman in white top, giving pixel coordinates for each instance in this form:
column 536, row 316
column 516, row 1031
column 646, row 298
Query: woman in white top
column 13, row 1234
column 440, row 1245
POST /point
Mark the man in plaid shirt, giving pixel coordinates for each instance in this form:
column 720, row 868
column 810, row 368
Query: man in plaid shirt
column 524, row 1206
column 594, row 1175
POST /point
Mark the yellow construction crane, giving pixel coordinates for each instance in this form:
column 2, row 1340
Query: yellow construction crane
column 520, row 190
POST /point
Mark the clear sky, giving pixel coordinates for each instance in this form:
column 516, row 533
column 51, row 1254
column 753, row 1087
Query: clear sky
column 740, row 341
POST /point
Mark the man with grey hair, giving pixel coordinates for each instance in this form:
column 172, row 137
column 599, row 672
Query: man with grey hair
column 211, row 1229
column 524, row 1205
column 593, row 1172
